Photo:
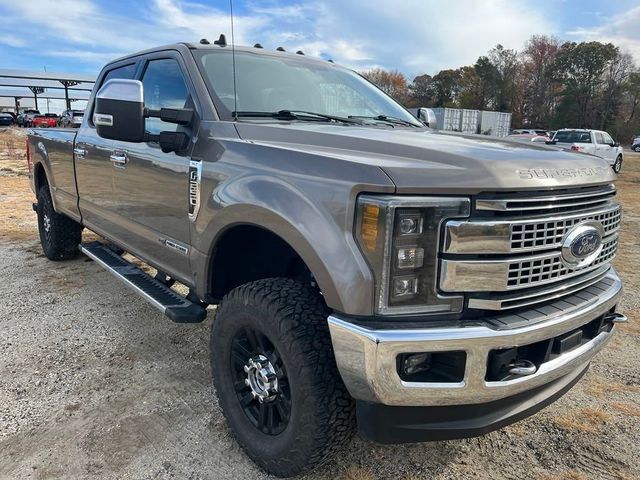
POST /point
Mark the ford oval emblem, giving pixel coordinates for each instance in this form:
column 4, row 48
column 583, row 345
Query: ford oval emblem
column 582, row 244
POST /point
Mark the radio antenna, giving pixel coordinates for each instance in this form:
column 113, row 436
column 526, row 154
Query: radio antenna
column 233, row 57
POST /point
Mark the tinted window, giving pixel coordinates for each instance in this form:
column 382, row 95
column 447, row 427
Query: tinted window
column 164, row 86
column 126, row 71
column 572, row 136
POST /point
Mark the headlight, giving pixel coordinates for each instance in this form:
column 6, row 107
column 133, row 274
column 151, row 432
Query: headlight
column 399, row 237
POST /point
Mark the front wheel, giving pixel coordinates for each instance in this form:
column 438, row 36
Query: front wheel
column 637, row 148
column 276, row 377
column 617, row 166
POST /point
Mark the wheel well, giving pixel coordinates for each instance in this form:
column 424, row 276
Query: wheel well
column 40, row 176
column 246, row 253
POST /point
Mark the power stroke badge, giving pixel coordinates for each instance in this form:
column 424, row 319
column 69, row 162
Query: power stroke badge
column 195, row 177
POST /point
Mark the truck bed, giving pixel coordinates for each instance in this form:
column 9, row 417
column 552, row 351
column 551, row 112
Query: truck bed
column 55, row 148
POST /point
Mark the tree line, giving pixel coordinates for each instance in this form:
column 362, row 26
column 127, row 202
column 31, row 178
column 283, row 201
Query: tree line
column 549, row 84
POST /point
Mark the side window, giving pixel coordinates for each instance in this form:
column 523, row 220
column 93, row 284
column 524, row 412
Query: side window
column 607, row 138
column 599, row 138
column 164, row 86
column 126, row 71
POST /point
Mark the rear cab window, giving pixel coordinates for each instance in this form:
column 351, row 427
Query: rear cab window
column 573, row 136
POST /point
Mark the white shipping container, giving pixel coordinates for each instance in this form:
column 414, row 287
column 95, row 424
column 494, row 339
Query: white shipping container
column 447, row 119
column 495, row 123
column 469, row 120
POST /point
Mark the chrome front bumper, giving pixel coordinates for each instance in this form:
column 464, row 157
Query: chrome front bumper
column 367, row 359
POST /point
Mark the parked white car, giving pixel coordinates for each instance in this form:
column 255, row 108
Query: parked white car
column 595, row 142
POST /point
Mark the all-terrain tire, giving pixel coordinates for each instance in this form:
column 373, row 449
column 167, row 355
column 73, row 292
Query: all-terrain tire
column 292, row 317
column 617, row 166
column 59, row 235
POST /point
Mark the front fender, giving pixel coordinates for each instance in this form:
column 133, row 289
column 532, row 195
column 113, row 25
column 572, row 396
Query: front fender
column 319, row 230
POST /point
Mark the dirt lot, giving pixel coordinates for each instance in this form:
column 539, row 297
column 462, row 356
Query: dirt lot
column 95, row 383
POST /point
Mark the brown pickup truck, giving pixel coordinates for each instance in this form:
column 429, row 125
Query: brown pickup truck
column 366, row 270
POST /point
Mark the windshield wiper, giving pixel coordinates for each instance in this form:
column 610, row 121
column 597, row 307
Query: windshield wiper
column 297, row 115
column 388, row 119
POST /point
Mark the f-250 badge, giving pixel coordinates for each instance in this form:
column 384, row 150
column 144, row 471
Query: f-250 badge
column 195, row 177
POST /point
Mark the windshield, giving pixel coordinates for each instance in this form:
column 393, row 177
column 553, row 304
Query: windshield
column 572, row 137
column 271, row 84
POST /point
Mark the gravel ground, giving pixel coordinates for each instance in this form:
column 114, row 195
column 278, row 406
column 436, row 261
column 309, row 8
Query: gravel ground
column 94, row 383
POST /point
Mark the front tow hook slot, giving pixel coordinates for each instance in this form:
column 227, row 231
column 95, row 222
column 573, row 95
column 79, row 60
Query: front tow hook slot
column 616, row 318
column 522, row 368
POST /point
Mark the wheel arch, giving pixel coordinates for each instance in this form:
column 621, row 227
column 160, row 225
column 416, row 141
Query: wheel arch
column 324, row 250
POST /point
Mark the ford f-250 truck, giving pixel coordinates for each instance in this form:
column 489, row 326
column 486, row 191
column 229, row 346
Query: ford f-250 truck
column 366, row 269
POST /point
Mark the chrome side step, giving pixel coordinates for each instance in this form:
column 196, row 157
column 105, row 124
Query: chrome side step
column 168, row 301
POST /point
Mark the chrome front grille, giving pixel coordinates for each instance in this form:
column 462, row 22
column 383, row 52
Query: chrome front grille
column 513, row 257
column 536, row 271
column 547, row 234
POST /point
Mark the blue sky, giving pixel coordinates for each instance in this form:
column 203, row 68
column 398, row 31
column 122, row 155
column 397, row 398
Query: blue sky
column 413, row 36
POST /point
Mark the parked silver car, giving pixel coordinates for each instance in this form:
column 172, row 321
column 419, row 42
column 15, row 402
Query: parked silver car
column 71, row 118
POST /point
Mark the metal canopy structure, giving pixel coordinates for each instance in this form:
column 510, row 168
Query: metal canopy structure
column 22, row 82
column 34, row 82
column 24, row 92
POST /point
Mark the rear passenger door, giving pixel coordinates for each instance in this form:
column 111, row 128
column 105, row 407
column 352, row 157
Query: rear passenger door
column 151, row 188
column 94, row 170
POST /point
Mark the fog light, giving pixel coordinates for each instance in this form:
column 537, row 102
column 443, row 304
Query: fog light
column 412, row 257
column 404, row 286
column 416, row 363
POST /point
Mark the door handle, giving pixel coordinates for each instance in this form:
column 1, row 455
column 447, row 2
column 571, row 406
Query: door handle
column 79, row 152
column 119, row 159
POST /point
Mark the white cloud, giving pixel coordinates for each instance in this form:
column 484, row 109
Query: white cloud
column 414, row 36
column 622, row 30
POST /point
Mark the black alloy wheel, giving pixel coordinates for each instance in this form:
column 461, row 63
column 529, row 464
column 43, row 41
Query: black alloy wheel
column 261, row 382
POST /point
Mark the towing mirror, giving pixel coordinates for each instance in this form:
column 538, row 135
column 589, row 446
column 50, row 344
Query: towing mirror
column 119, row 110
column 427, row 116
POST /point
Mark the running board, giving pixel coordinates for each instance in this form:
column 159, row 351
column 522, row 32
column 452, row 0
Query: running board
column 168, row 301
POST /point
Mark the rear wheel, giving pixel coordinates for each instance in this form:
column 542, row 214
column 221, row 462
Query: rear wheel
column 637, row 148
column 276, row 377
column 617, row 166
column 59, row 235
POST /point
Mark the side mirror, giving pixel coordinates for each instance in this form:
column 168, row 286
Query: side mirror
column 427, row 116
column 119, row 111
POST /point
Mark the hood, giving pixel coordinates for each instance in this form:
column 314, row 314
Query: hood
column 427, row 161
